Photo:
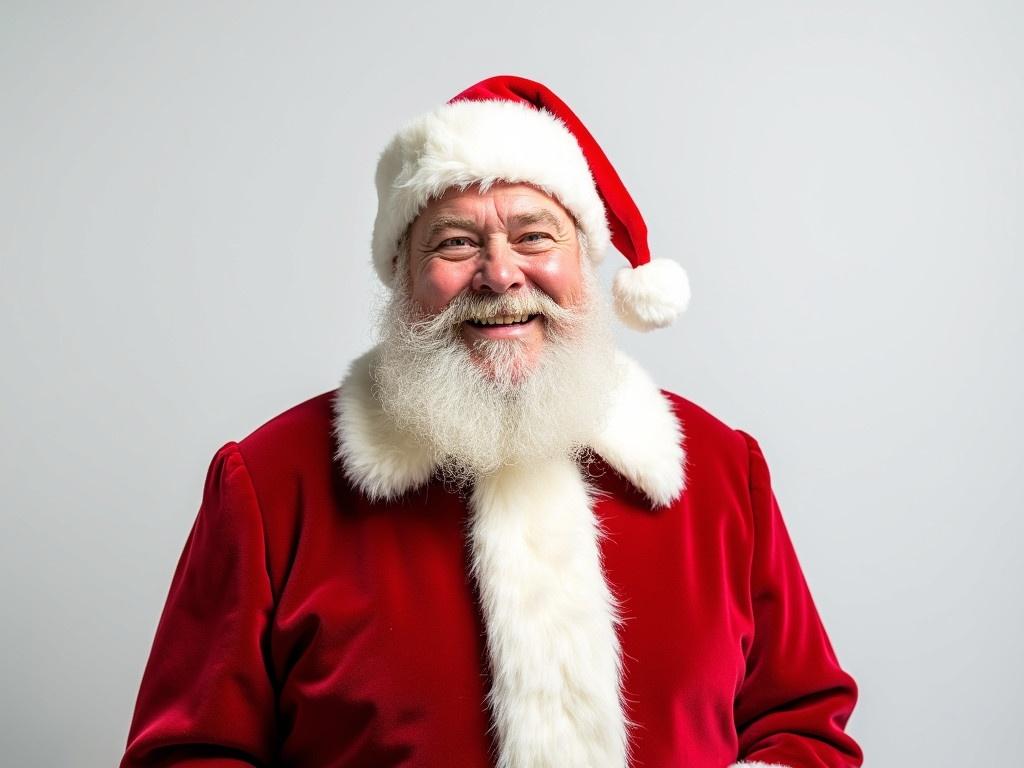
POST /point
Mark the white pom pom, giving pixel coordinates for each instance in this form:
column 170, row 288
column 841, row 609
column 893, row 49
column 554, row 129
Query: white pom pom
column 652, row 295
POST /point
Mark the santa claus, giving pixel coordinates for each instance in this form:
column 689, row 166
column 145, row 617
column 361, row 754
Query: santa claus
column 497, row 542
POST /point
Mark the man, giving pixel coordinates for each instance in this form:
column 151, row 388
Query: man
column 497, row 543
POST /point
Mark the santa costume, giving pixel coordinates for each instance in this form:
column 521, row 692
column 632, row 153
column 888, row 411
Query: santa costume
column 638, row 604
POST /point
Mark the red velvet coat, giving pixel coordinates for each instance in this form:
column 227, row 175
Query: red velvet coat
column 325, row 615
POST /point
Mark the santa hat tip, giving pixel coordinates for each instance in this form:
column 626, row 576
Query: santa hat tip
column 651, row 295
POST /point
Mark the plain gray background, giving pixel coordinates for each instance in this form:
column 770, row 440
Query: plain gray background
column 187, row 199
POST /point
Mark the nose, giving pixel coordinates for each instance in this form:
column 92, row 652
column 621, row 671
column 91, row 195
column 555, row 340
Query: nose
column 499, row 270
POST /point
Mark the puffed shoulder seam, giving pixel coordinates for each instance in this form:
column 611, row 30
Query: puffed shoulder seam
column 759, row 476
column 232, row 448
column 757, row 487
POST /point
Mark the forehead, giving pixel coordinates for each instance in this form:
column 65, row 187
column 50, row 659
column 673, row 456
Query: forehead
column 503, row 198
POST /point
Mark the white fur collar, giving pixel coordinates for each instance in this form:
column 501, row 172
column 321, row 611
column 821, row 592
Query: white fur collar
column 642, row 439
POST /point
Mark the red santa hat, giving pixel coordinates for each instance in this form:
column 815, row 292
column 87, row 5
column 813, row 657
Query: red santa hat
column 511, row 129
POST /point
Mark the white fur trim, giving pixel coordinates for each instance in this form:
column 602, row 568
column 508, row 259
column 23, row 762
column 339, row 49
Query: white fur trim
column 641, row 439
column 652, row 295
column 380, row 460
column 757, row 764
column 483, row 142
column 550, row 620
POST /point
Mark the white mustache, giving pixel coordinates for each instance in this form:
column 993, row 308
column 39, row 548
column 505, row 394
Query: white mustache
column 473, row 306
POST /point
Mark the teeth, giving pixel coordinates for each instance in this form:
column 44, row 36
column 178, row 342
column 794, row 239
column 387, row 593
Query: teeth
column 503, row 319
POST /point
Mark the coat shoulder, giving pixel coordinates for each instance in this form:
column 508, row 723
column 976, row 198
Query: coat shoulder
column 293, row 432
column 699, row 423
column 293, row 446
column 709, row 440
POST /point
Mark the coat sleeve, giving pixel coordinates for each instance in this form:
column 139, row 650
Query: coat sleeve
column 206, row 697
column 795, row 700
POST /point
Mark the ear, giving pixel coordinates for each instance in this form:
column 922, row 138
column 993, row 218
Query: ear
column 402, row 260
column 581, row 238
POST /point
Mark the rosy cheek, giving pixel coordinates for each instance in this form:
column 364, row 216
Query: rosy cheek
column 558, row 275
column 554, row 267
column 437, row 284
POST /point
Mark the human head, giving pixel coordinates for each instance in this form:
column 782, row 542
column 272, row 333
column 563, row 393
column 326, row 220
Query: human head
column 515, row 130
column 499, row 153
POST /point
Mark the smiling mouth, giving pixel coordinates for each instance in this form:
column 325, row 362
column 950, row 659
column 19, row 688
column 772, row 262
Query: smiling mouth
column 502, row 320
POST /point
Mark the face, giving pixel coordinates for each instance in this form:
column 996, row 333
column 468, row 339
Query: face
column 502, row 242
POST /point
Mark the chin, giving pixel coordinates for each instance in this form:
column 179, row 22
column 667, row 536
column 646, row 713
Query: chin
column 508, row 363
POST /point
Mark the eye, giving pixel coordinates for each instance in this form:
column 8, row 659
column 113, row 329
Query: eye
column 534, row 237
column 455, row 242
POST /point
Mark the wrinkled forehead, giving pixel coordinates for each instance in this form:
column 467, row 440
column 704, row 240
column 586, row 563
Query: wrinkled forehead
column 525, row 203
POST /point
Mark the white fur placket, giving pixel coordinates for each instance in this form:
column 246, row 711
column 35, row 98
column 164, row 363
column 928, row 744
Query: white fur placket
column 549, row 614
column 550, row 620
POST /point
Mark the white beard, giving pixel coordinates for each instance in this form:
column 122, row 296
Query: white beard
column 486, row 408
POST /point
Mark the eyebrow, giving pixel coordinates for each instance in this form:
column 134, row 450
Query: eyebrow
column 538, row 216
column 441, row 223
column 525, row 219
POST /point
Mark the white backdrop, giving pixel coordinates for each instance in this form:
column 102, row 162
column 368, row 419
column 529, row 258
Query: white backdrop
column 187, row 197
